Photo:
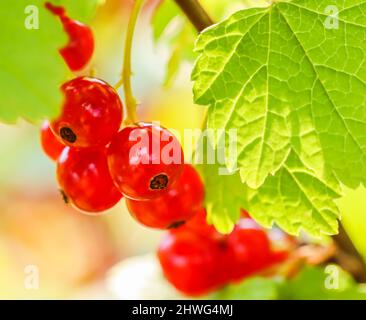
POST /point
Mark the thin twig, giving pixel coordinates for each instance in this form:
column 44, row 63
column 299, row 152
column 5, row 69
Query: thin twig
column 348, row 256
column 195, row 13
column 126, row 73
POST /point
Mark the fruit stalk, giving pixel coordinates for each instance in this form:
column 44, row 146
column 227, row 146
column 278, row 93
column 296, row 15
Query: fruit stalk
column 348, row 256
column 346, row 249
column 125, row 80
column 195, row 13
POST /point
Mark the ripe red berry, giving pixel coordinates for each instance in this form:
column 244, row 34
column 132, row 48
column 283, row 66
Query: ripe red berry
column 80, row 46
column 190, row 262
column 51, row 146
column 244, row 213
column 91, row 113
column 181, row 202
column 198, row 225
column 85, row 181
column 249, row 251
column 56, row 10
column 278, row 256
column 145, row 160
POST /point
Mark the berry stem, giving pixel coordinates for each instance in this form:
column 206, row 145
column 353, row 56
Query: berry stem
column 126, row 73
column 195, row 13
column 348, row 256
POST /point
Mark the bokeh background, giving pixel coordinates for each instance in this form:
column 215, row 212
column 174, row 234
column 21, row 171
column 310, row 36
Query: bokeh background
column 110, row 256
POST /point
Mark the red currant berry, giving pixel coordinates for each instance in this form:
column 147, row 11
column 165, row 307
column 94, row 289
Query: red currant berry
column 80, row 47
column 278, row 256
column 250, row 251
column 91, row 113
column 145, row 160
column 85, row 181
column 198, row 225
column 172, row 209
column 244, row 213
column 56, row 10
column 51, row 146
column 190, row 262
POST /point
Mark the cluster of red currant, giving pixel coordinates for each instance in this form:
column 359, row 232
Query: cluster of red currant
column 97, row 163
column 197, row 259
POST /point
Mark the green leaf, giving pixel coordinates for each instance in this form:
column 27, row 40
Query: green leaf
column 224, row 191
column 287, row 83
column 329, row 283
column 182, row 34
column 31, row 68
column 224, row 197
column 311, row 283
column 294, row 198
column 255, row 288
